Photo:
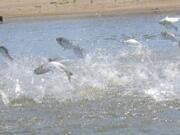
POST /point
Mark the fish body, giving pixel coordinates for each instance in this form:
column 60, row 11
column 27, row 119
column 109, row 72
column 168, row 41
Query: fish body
column 68, row 45
column 131, row 42
column 169, row 19
column 51, row 66
column 65, row 43
column 169, row 22
column 169, row 36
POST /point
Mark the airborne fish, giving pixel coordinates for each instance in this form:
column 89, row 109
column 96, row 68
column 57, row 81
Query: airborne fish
column 5, row 53
column 68, row 45
column 51, row 66
column 131, row 42
column 169, row 22
column 170, row 36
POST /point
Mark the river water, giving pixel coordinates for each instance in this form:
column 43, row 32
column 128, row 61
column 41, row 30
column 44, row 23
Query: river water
column 115, row 89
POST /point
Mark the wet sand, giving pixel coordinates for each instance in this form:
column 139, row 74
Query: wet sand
column 34, row 8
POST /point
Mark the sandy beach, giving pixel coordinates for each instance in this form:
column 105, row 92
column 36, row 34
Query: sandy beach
column 22, row 8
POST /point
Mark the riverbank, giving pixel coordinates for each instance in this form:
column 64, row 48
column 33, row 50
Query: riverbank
column 64, row 8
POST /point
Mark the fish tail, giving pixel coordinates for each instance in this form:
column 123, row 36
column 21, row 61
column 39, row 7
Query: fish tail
column 10, row 58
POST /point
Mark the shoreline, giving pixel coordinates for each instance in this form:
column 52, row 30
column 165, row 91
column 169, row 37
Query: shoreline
column 16, row 11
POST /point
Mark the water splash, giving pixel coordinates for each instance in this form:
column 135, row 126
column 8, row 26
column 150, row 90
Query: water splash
column 4, row 98
column 132, row 69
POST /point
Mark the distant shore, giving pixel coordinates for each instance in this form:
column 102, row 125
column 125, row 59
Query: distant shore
column 72, row 8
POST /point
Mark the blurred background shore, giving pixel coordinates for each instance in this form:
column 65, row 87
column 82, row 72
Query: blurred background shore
column 34, row 8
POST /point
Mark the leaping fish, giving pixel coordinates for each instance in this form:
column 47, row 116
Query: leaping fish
column 170, row 36
column 66, row 44
column 131, row 42
column 51, row 66
column 169, row 22
column 5, row 53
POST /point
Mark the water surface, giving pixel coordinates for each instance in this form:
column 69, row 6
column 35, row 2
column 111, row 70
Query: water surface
column 115, row 88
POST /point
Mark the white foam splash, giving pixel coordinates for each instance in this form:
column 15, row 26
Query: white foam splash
column 4, row 98
column 132, row 70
